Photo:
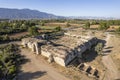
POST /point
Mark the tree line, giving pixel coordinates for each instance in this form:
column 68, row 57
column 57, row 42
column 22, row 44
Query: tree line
column 103, row 24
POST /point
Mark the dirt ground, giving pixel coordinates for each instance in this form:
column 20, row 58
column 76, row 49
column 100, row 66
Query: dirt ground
column 111, row 28
column 16, row 35
column 111, row 60
column 62, row 24
column 94, row 26
column 38, row 69
column 109, row 64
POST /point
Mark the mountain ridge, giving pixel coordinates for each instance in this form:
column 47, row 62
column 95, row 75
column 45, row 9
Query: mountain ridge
column 6, row 13
column 13, row 13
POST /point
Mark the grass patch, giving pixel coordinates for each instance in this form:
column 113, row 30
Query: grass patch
column 47, row 27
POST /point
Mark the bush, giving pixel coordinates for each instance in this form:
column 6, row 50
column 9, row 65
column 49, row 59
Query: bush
column 87, row 25
column 103, row 26
column 9, row 60
column 33, row 31
column 4, row 38
column 98, row 48
column 58, row 28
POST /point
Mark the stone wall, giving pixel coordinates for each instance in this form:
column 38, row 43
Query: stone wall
column 32, row 44
column 79, row 50
column 59, row 60
column 45, row 53
column 55, row 58
column 66, row 59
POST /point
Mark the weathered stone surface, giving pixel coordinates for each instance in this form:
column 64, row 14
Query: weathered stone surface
column 62, row 50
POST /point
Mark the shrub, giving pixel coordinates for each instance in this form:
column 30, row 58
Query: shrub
column 98, row 48
column 9, row 60
column 58, row 28
column 33, row 31
column 87, row 25
column 103, row 26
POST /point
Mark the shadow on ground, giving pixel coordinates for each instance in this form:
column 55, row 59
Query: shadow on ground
column 30, row 76
column 89, row 55
column 107, row 50
column 24, row 60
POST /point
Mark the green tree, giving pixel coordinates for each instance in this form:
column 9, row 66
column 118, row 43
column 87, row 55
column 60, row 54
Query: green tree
column 58, row 28
column 42, row 23
column 9, row 60
column 87, row 25
column 33, row 31
column 98, row 48
column 94, row 22
column 6, row 38
column 103, row 26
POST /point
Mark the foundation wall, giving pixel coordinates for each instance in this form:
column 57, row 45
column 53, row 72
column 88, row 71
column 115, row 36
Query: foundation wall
column 45, row 53
column 59, row 61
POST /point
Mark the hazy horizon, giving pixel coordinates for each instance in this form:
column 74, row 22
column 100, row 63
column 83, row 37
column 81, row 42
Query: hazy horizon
column 93, row 8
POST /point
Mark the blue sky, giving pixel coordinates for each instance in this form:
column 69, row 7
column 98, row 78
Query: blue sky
column 100, row 8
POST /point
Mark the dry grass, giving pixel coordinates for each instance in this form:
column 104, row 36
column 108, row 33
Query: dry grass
column 62, row 24
column 94, row 26
column 114, row 27
column 111, row 28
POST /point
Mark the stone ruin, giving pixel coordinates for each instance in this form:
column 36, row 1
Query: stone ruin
column 89, row 70
column 62, row 50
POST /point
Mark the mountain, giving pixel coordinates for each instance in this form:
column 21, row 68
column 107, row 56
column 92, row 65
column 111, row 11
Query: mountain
column 6, row 13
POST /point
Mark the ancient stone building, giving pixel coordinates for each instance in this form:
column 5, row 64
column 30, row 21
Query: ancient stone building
column 62, row 50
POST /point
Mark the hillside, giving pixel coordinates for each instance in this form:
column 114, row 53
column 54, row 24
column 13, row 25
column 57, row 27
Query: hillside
column 6, row 13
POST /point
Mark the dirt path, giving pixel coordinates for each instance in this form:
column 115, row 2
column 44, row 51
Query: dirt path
column 111, row 69
column 37, row 69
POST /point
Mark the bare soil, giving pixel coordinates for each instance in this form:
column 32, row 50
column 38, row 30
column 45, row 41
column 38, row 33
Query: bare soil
column 111, row 60
column 38, row 69
column 62, row 24
column 16, row 35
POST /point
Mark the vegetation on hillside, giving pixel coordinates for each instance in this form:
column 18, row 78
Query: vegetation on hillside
column 9, row 61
